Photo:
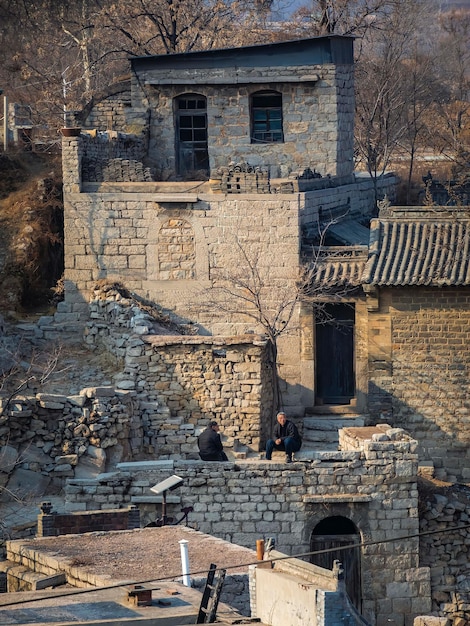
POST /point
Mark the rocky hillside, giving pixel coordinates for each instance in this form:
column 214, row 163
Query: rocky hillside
column 31, row 231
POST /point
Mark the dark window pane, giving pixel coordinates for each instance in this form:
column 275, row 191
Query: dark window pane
column 266, row 112
column 259, row 115
column 186, row 135
column 199, row 121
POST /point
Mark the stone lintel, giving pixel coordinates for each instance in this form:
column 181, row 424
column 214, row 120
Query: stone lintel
column 263, row 77
column 340, row 497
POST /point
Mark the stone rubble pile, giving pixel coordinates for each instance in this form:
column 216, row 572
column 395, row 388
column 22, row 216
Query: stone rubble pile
column 50, row 437
column 447, row 552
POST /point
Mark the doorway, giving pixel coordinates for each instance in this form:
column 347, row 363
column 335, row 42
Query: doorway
column 335, row 532
column 334, row 354
column 191, row 137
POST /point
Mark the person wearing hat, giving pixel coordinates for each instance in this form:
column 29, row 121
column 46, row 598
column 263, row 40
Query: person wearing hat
column 210, row 444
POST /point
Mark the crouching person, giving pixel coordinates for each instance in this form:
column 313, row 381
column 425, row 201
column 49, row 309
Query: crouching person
column 210, row 444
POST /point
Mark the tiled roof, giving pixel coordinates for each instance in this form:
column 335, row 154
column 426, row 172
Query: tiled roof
column 336, row 267
column 419, row 248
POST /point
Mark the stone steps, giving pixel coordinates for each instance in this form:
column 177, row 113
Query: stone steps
column 320, row 434
column 320, row 431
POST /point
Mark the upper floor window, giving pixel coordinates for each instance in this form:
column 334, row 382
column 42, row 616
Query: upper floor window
column 266, row 117
column 191, row 136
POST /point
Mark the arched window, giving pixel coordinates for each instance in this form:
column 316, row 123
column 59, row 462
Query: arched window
column 266, row 117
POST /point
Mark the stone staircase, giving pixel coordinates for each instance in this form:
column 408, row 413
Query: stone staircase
column 320, row 430
column 320, row 434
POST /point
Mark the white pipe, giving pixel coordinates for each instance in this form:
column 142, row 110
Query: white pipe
column 185, row 562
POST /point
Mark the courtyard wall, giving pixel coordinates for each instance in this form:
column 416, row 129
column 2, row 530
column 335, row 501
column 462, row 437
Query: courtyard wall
column 419, row 369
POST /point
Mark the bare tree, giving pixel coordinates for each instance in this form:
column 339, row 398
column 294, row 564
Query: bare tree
column 341, row 17
column 386, row 90
column 246, row 295
column 451, row 121
column 422, row 90
column 69, row 50
column 249, row 293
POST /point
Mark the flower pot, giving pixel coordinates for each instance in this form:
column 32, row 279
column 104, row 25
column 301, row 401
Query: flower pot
column 70, row 132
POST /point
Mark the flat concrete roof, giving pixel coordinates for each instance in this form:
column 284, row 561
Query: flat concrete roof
column 109, row 565
column 172, row 604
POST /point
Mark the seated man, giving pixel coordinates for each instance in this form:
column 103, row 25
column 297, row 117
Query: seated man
column 210, row 444
column 285, row 437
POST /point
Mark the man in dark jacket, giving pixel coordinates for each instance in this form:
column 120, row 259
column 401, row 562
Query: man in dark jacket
column 210, row 444
column 285, row 437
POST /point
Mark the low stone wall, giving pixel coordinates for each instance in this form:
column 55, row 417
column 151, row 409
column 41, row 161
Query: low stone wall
column 52, row 524
column 183, row 381
column 168, row 389
column 46, row 438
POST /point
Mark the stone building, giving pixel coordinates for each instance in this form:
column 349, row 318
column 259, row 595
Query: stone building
column 234, row 169
column 229, row 162
column 235, row 172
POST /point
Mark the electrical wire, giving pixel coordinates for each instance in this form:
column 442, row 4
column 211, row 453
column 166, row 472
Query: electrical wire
column 240, row 565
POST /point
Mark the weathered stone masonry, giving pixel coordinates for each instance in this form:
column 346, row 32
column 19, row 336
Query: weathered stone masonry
column 374, row 485
column 420, row 369
column 172, row 247
column 168, row 389
column 446, row 552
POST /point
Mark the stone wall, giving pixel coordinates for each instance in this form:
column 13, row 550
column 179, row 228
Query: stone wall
column 445, row 515
column 420, row 366
column 174, row 248
column 168, row 388
column 183, row 381
column 52, row 524
column 317, row 105
column 47, row 438
column 108, row 110
column 375, row 487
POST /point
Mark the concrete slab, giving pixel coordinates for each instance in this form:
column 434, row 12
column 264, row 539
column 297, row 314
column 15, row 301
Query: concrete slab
column 172, row 604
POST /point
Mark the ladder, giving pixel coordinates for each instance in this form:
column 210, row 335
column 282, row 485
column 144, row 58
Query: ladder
column 210, row 597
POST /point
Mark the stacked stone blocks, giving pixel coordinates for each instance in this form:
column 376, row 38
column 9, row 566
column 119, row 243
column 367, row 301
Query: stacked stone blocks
column 245, row 502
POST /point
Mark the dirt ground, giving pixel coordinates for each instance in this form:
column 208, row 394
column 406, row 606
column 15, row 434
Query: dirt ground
column 146, row 554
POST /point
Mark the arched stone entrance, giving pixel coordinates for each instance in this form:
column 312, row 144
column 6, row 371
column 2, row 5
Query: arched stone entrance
column 334, row 532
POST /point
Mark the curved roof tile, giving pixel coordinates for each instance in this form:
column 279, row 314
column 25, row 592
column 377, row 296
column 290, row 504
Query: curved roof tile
column 406, row 252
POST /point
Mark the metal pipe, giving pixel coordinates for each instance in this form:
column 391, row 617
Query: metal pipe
column 185, row 562
column 260, row 549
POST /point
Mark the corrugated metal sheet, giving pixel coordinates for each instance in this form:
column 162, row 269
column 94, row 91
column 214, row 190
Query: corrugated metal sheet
column 350, row 232
column 406, row 252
